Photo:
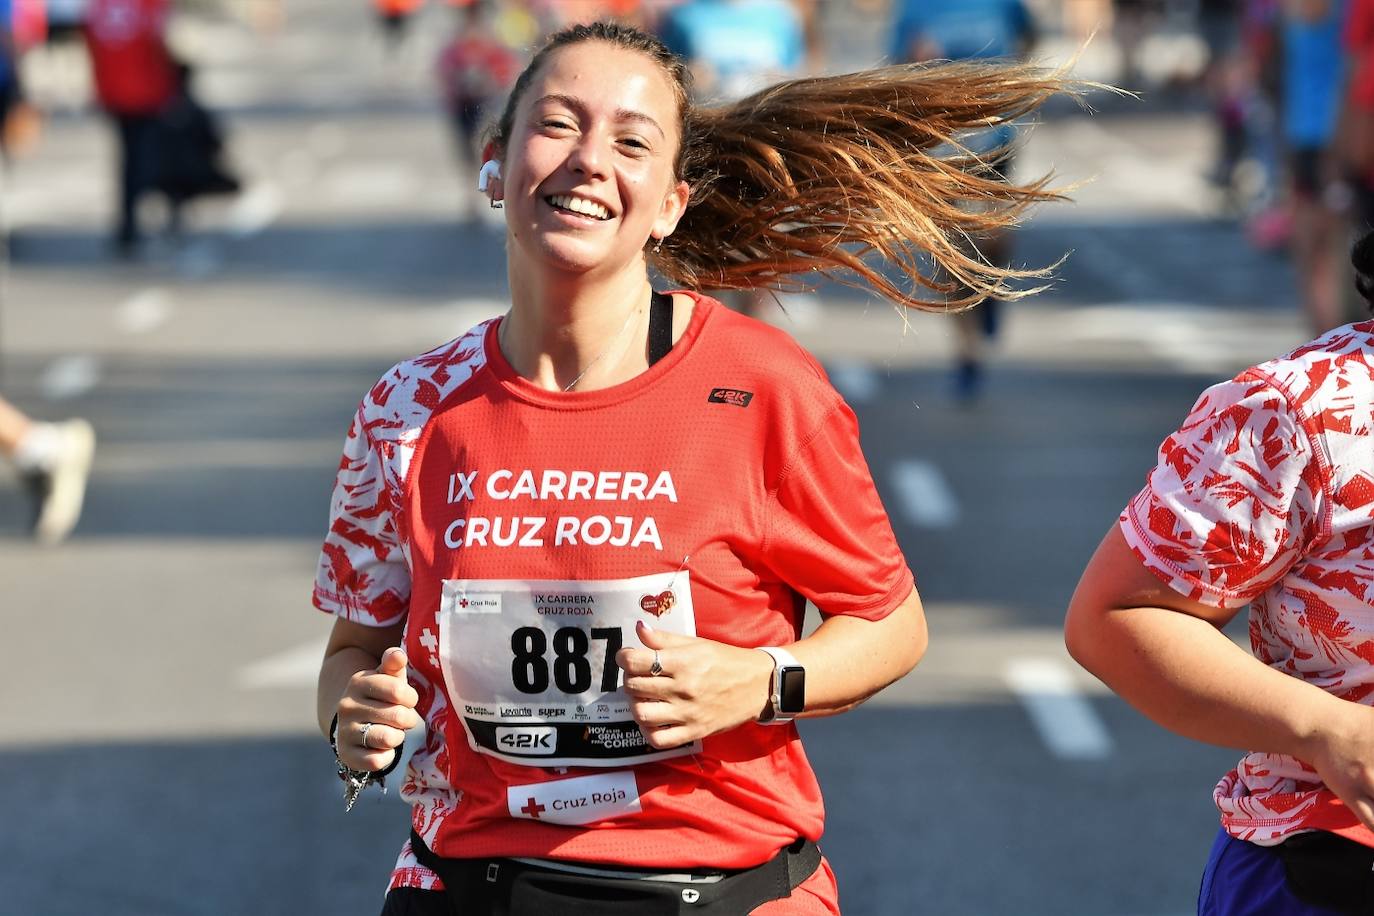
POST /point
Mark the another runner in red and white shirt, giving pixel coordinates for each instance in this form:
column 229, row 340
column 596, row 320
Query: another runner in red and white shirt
column 1264, row 497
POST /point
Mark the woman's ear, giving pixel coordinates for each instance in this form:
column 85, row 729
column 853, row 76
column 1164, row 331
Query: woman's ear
column 674, row 205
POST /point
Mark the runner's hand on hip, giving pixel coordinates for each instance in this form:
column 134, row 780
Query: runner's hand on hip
column 1342, row 753
column 705, row 686
column 385, row 699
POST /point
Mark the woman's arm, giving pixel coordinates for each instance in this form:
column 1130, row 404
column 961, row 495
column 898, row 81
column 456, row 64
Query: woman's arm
column 363, row 679
column 1166, row 655
column 708, row 687
column 849, row 659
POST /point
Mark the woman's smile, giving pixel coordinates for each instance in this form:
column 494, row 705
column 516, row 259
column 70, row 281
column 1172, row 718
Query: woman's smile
column 584, row 209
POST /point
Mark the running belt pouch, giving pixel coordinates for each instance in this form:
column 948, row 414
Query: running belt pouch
column 1328, row 870
column 503, row 887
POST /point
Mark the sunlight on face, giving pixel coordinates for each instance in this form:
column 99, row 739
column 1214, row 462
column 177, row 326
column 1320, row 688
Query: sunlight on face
column 588, row 174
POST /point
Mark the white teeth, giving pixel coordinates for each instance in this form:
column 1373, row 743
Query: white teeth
column 578, row 205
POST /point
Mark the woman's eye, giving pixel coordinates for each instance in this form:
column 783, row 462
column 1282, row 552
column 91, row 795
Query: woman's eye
column 635, row 143
column 556, row 124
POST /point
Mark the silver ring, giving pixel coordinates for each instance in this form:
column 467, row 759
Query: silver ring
column 657, row 667
column 363, row 738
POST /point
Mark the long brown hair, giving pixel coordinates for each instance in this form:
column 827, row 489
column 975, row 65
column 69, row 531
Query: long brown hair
column 830, row 176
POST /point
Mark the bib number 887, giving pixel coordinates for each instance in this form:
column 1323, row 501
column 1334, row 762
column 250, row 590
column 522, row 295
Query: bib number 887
column 572, row 671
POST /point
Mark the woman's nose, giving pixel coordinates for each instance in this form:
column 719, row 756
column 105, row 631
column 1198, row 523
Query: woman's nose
column 588, row 157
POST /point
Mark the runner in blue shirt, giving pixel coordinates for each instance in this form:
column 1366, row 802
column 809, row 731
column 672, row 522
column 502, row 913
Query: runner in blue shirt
column 967, row 30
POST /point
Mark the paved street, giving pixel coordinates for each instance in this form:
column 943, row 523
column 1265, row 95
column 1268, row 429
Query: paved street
column 158, row 728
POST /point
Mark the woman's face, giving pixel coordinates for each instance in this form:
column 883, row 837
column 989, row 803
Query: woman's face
column 588, row 171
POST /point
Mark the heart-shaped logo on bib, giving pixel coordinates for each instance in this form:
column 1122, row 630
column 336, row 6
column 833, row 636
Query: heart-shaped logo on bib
column 659, row 604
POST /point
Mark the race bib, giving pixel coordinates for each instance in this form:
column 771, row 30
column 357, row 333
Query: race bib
column 530, row 664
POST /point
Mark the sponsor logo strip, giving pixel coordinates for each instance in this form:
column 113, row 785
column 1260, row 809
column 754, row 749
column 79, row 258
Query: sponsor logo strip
column 591, row 743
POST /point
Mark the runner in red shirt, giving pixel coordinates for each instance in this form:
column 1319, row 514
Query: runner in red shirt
column 576, row 542
column 394, row 16
column 474, row 68
column 135, row 79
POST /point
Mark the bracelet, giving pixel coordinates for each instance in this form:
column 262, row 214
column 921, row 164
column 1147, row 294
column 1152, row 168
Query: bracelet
column 356, row 780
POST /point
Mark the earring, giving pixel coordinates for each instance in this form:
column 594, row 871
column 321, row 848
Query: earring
column 490, row 169
column 658, row 246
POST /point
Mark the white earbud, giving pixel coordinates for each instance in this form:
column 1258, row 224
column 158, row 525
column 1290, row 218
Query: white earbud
column 490, row 169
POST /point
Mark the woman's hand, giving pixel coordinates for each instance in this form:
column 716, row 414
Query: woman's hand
column 384, row 701
column 1342, row 753
column 705, row 686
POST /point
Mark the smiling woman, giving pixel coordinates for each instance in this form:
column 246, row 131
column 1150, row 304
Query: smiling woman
column 687, row 473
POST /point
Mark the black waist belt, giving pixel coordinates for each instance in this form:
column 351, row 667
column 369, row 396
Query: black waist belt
column 1328, row 870
column 510, row 887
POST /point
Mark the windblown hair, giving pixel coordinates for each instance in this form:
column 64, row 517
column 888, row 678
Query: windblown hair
column 831, row 176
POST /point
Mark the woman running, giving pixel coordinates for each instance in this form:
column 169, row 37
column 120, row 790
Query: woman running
column 576, row 542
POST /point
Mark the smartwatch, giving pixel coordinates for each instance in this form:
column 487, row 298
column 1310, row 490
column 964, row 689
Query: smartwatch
column 787, row 692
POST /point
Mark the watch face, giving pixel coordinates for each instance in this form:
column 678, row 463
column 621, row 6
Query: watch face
column 791, row 690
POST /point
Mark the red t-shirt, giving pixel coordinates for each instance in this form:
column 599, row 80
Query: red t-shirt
column 1359, row 45
column 129, row 61
column 519, row 533
column 475, row 67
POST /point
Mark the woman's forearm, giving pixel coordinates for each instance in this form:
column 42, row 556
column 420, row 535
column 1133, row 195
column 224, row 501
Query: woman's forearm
column 849, row 659
column 1188, row 676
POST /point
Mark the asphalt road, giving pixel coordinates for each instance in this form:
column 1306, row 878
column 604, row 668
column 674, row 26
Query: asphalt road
column 157, row 728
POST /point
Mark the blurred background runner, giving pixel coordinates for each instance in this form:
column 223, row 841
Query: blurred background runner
column 735, row 47
column 927, row 30
column 135, row 80
column 394, row 17
column 475, row 69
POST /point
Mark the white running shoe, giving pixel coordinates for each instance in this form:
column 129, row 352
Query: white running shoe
column 60, row 488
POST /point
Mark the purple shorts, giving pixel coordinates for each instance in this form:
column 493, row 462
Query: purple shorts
column 1242, row 879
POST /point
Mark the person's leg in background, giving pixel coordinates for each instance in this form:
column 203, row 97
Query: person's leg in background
column 137, row 171
column 54, row 460
column 976, row 328
column 1317, row 218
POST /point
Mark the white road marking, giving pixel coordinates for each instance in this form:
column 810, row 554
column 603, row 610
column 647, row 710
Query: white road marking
column 1189, row 339
column 327, row 139
column 254, row 210
column 855, row 380
column 373, row 183
column 144, row 311
column 926, row 500
column 69, row 377
column 298, row 167
column 1066, row 721
column 298, row 667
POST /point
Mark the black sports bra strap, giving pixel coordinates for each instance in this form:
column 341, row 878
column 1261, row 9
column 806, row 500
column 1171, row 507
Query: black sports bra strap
column 660, row 326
